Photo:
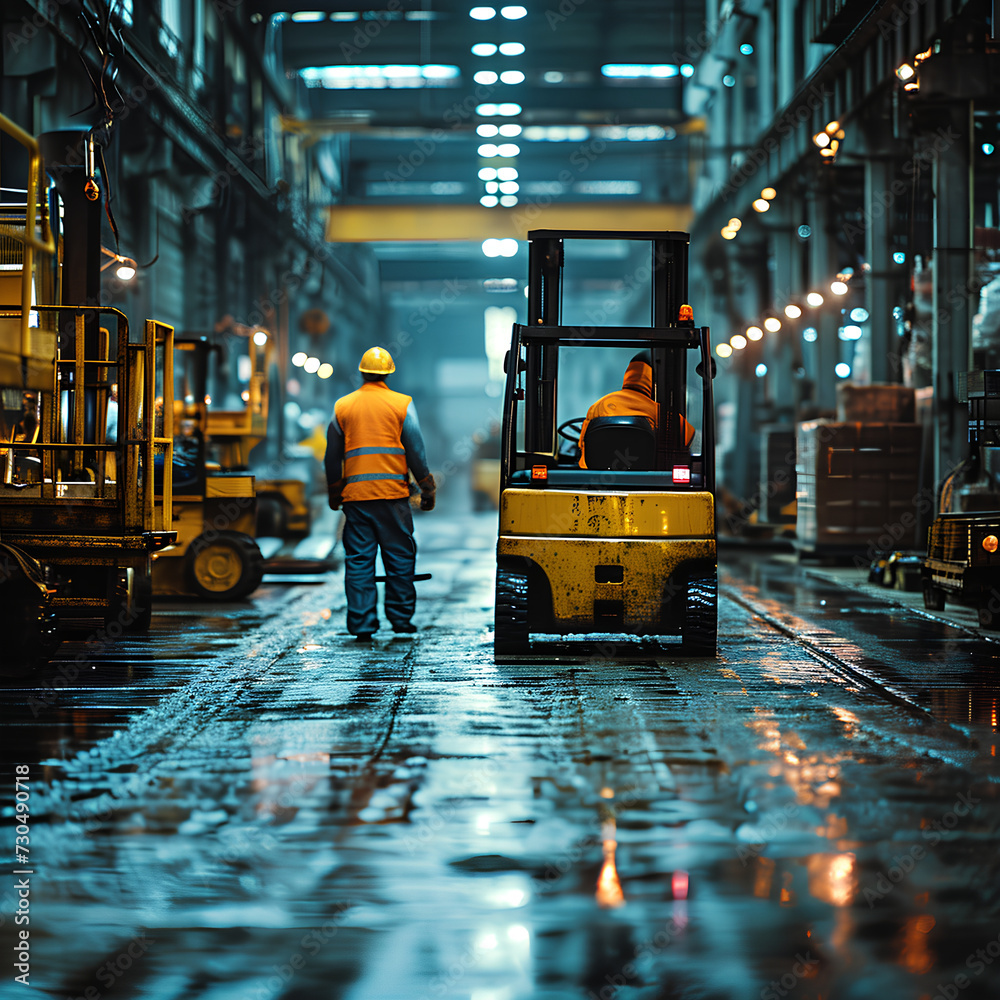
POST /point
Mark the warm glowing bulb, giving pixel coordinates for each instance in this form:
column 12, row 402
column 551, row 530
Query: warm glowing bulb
column 727, row 233
column 769, row 193
column 821, row 139
column 311, row 365
column 723, row 350
column 734, row 225
column 792, row 311
column 814, row 299
column 260, row 338
column 125, row 272
column 754, row 333
column 738, row 341
column 905, row 72
column 299, row 359
column 772, row 324
column 761, row 205
column 838, row 287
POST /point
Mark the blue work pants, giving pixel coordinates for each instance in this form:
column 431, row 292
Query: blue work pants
column 371, row 525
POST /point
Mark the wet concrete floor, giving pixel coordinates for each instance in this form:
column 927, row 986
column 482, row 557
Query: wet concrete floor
column 246, row 804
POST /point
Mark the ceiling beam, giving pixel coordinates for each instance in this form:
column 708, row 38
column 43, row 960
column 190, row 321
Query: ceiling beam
column 376, row 223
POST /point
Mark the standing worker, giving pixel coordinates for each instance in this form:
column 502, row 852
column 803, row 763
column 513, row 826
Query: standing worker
column 372, row 440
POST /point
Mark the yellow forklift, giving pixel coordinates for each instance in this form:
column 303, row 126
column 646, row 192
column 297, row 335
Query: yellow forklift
column 79, row 516
column 625, row 545
column 216, row 556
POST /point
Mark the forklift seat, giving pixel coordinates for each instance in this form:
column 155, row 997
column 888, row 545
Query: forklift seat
column 620, row 443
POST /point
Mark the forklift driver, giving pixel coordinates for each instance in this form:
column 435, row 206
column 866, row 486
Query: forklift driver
column 634, row 399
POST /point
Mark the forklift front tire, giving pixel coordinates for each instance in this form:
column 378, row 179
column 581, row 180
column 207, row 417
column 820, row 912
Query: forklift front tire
column 224, row 566
column 510, row 634
column 701, row 613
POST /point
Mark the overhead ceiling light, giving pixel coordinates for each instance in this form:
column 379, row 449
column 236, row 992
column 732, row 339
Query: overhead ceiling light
column 125, row 272
column 311, row 365
column 514, row 12
column 510, row 130
column 792, row 311
column 492, row 187
column 508, row 247
column 512, row 76
column 486, row 110
column 738, row 341
column 486, row 130
column 761, row 370
column 508, row 109
column 814, row 299
column 821, row 139
column 508, row 149
column 299, row 359
column 344, row 15
column 511, row 48
column 487, row 149
column 809, row 334
column 508, row 201
column 485, row 77
column 761, row 205
column 754, row 333
column 309, row 15
column 904, row 72
column 491, row 248
column 838, row 287
column 482, row 13
column 723, row 350
column 489, row 201
column 639, row 71
column 484, row 49
column 507, row 174
column 260, row 337
column 727, row 233
column 769, row 193
column 735, row 225
column 772, row 324
column 843, row 370
column 508, row 187
column 859, row 314
column 325, row 370
column 552, row 76
column 487, row 173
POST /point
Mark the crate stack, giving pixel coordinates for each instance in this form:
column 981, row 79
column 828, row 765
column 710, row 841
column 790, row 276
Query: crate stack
column 858, row 477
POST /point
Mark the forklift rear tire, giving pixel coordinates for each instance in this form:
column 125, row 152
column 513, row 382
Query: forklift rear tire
column 934, row 597
column 510, row 633
column 224, row 566
column 701, row 613
column 27, row 621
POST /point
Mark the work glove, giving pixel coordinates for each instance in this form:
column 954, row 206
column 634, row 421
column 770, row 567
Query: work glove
column 427, row 492
column 333, row 491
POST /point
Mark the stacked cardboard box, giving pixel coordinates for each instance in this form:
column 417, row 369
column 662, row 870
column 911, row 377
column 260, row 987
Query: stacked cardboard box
column 882, row 403
column 856, row 485
column 777, row 473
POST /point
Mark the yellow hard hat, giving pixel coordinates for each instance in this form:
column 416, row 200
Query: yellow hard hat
column 377, row 361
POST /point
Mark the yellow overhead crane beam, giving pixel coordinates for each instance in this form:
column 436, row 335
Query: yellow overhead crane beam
column 371, row 223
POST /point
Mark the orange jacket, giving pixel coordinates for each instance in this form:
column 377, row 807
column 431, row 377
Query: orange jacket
column 372, row 418
column 633, row 399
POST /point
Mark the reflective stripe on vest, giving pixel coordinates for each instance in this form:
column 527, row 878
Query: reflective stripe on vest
column 374, row 458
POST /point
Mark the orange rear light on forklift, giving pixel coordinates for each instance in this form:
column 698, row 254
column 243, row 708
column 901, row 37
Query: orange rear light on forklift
column 539, row 472
column 685, row 315
column 682, row 474
column 990, row 543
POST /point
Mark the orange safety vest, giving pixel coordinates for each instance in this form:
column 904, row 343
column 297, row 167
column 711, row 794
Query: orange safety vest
column 634, row 398
column 374, row 458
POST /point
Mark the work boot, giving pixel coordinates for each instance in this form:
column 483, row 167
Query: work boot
column 405, row 627
column 363, row 637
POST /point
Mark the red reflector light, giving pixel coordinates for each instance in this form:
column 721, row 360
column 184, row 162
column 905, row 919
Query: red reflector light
column 990, row 543
column 682, row 474
column 539, row 472
column 685, row 314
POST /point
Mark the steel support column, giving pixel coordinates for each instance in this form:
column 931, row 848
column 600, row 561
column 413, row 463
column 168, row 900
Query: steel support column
column 953, row 283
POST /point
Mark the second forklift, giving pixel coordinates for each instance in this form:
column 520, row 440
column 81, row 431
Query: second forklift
column 625, row 546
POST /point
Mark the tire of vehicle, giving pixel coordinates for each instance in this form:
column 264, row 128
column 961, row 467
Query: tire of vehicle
column 510, row 634
column 699, row 633
column 140, row 598
column 27, row 622
column 271, row 519
column 987, row 619
column 934, row 597
column 223, row 567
